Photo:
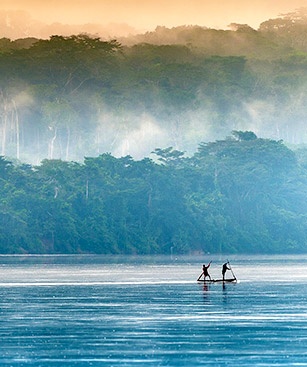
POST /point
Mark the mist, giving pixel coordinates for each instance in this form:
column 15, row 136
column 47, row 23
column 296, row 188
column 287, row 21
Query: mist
column 146, row 15
column 73, row 96
column 15, row 24
column 134, row 133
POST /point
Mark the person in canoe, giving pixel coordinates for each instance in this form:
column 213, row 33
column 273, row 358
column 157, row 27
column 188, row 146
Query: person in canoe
column 205, row 272
column 224, row 269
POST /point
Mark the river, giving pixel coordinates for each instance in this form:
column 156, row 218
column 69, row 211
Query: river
column 150, row 311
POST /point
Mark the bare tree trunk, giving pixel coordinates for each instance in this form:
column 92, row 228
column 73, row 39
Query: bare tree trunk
column 98, row 131
column 22, row 136
column 287, row 132
column 98, row 140
column 175, row 133
column 38, row 146
column 60, row 145
column 4, row 128
column 67, row 143
column 278, row 131
column 51, row 144
column 12, row 136
column 17, row 130
column 86, row 190
column 125, row 147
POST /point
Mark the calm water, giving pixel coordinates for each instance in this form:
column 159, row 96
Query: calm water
column 97, row 311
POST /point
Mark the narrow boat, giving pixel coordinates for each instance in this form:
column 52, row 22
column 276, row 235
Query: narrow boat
column 205, row 273
column 232, row 280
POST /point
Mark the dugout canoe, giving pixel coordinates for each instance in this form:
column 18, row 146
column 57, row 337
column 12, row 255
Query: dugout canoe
column 232, row 280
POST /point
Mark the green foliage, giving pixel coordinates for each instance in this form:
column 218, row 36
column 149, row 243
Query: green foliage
column 69, row 97
column 244, row 135
column 289, row 29
column 238, row 195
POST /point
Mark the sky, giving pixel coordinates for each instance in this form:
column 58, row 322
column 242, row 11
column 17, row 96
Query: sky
column 147, row 14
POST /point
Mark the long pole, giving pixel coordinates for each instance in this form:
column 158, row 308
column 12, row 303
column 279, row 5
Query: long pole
column 200, row 276
column 231, row 269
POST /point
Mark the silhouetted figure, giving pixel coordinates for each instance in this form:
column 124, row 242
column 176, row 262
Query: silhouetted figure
column 205, row 272
column 224, row 269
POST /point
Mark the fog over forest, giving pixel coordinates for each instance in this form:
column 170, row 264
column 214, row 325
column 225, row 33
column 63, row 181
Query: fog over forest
column 177, row 140
column 70, row 96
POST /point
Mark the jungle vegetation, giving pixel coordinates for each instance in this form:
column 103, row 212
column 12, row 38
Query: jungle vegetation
column 242, row 194
column 99, row 141
column 67, row 97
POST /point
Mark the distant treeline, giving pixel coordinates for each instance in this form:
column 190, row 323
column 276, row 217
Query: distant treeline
column 71, row 96
column 238, row 195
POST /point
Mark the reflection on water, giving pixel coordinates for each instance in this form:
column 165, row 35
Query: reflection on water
column 97, row 311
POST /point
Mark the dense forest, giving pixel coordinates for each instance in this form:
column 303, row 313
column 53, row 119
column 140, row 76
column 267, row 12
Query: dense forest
column 67, row 97
column 242, row 194
column 115, row 101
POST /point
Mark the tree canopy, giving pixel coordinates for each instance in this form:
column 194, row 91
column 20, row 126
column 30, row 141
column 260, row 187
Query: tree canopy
column 67, row 97
column 234, row 195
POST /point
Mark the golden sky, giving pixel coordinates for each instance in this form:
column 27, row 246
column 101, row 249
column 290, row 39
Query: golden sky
column 146, row 14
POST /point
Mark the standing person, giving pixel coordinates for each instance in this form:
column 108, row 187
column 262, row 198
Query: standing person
column 224, row 269
column 205, row 272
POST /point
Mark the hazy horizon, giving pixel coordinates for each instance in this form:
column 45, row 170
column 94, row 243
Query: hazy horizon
column 147, row 15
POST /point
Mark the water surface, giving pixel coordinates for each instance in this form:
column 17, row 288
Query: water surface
column 130, row 311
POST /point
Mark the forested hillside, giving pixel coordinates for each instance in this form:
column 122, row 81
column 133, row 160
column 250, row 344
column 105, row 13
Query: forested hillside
column 239, row 195
column 75, row 96
column 115, row 101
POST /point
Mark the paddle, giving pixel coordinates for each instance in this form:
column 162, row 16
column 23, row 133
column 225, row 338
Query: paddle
column 200, row 276
column 231, row 269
